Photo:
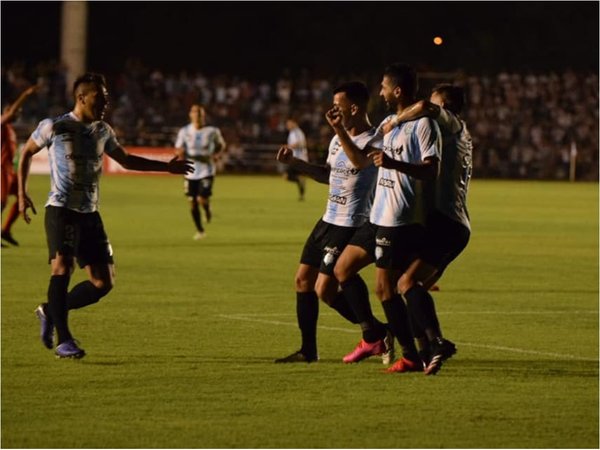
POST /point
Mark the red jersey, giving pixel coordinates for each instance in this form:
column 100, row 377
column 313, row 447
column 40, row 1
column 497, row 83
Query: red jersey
column 9, row 147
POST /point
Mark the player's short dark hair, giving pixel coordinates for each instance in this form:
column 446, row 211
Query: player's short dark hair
column 89, row 78
column 356, row 91
column 453, row 96
column 403, row 76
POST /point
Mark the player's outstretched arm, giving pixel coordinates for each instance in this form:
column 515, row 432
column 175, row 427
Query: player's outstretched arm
column 318, row 173
column 133, row 162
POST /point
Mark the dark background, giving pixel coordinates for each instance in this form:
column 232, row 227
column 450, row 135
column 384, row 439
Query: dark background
column 259, row 39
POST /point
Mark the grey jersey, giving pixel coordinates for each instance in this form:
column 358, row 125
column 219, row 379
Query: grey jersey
column 75, row 152
column 455, row 169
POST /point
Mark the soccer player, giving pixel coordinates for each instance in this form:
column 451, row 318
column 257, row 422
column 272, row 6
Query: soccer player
column 76, row 143
column 448, row 227
column 408, row 163
column 351, row 178
column 297, row 142
column 9, row 149
column 203, row 144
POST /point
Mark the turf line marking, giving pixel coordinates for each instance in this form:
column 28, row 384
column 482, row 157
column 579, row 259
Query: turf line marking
column 467, row 344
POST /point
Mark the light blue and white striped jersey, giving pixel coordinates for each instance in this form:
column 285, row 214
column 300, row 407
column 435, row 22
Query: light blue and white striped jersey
column 75, row 152
column 297, row 141
column 199, row 146
column 350, row 189
column 398, row 197
column 456, row 167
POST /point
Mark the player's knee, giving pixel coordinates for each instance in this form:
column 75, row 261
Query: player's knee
column 303, row 284
column 405, row 283
column 103, row 286
column 324, row 293
column 341, row 273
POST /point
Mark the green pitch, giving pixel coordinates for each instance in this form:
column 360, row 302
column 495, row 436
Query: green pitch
column 180, row 353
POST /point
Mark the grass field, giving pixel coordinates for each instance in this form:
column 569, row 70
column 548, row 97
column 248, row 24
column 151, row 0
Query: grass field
column 180, row 353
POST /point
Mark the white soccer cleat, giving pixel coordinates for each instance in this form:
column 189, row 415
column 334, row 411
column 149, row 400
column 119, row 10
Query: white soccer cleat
column 388, row 356
column 199, row 235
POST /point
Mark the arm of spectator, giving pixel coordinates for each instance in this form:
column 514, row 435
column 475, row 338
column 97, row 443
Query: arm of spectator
column 318, row 173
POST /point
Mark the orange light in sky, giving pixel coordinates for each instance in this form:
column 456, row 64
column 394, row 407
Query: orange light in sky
column 438, row 40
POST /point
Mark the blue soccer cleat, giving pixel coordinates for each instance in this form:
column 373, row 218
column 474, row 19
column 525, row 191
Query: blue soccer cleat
column 69, row 349
column 46, row 327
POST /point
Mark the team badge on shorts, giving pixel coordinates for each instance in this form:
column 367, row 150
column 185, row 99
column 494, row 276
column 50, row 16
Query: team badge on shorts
column 329, row 257
column 378, row 252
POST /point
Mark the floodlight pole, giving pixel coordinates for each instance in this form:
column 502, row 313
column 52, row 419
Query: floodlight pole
column 73, row 40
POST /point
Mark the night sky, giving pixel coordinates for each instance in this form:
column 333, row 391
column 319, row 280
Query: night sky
column 256, row 39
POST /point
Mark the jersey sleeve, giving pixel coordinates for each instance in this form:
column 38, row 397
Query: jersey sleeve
column 42, row 135
column 180, row 141
column 111, row 141
column 448, row 121
column 429, row 138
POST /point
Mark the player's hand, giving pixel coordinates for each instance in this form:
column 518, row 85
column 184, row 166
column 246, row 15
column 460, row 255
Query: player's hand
column 285, row 155
column 32, row 89
column 180, row 166
column 380, row 159
column 335, row 117
column 389, row 125
column 24, row 203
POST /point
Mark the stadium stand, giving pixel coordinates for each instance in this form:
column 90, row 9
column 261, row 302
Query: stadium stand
column 524, row 125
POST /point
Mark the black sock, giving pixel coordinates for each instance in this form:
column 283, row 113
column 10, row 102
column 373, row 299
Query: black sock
column 307, row 311
column 357, row 296
column 341, row 305
column 398, row 321
column 57, row 306
column 422, row 309
column 206, row 208
column 84, row 294
column 197, row 218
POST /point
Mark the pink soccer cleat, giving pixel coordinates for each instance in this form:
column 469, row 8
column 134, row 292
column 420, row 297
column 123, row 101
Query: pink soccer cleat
column 364, row 350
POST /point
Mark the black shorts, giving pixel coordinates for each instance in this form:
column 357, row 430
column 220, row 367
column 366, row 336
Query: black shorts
column 324, row 246
column 446, row 239
column 365, row 238
column 292, row 174
column 198, row 188
column 80, row 235
column 397, row 247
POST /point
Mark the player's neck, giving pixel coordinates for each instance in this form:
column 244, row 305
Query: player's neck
column 403, row 104
column 359, row 128
column 197, row 125
column 80, row 116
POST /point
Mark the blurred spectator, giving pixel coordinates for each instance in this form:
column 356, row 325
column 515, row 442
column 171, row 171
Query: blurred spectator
column 524, row 125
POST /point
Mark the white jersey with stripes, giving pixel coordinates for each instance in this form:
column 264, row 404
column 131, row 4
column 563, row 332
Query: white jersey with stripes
column 75, row 151
column 398, row 197
column 351, row 190
column 297, row 142
column 199, row 146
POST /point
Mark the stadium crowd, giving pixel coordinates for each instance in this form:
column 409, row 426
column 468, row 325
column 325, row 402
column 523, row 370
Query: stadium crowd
column 524, row 125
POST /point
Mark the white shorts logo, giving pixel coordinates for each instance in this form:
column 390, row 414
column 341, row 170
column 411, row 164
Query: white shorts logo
column 328, row 258
column 378, row 252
